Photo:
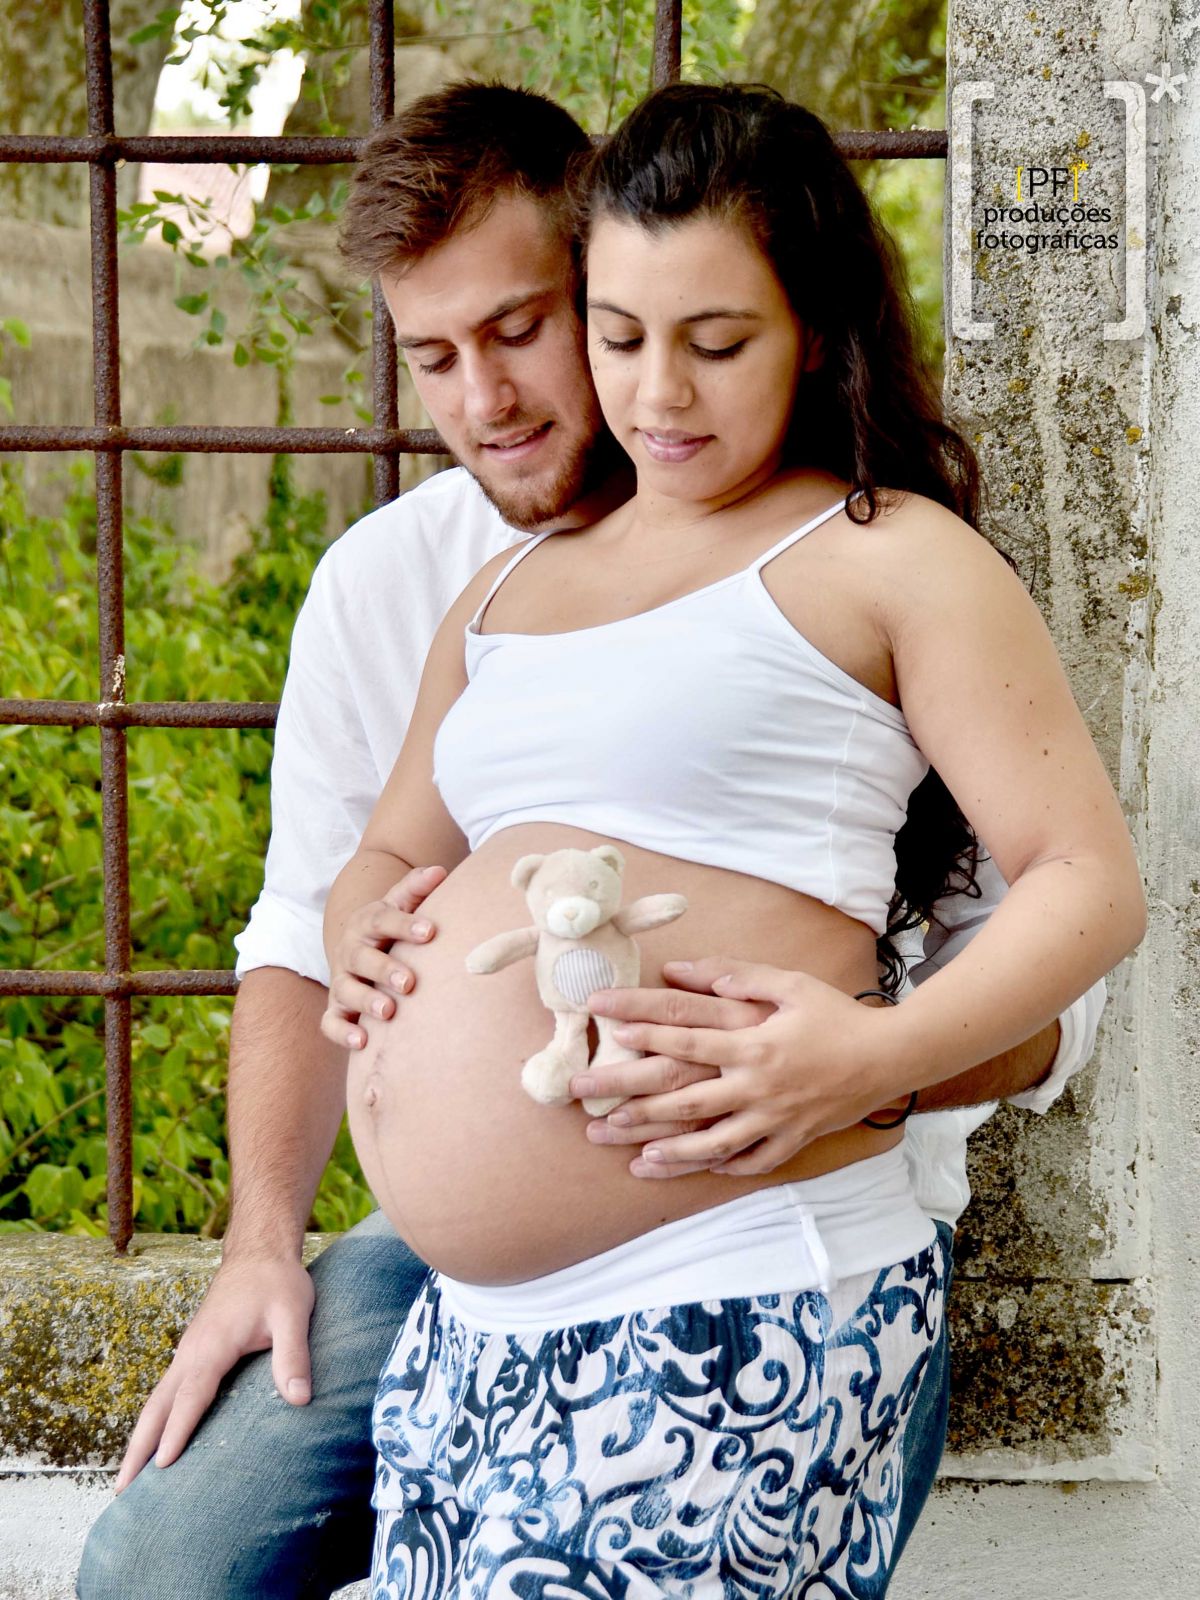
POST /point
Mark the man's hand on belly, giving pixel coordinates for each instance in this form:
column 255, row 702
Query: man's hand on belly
column 371, row 975
column 758, row 1115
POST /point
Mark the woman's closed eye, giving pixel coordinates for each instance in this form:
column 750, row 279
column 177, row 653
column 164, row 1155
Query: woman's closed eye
column 705, row 352
column 618, row 346
column 724, row 353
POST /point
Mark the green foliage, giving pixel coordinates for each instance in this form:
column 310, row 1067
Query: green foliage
column 198, row 819
column 11, row 328
column 594, row 56
column 280, row 312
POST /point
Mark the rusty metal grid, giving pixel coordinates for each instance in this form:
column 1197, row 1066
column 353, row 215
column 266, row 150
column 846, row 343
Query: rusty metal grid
column 103, row 149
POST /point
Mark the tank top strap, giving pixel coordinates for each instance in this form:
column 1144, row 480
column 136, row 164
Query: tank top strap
column 799, row 533
column 522, row 552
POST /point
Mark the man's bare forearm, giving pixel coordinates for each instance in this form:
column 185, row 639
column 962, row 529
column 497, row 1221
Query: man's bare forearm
column 1016, row 1070
column 287, row 1094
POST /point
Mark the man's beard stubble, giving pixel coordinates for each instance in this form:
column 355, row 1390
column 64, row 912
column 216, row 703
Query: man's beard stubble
column 529, row 507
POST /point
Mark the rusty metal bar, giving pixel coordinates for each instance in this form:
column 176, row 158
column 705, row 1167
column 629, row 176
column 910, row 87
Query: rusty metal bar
column 668, row 42
column 385, row 399
column 234, row 441
column 382, row 25
column 193, row 148
column 911, row 144
column 141, row 714
column 110, row 576
column 117, row 986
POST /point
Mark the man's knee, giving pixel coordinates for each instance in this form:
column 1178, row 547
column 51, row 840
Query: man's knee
column 128, row 1553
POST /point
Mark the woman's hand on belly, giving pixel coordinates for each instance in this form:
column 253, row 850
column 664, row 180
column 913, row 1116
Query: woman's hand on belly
column 740, row 1073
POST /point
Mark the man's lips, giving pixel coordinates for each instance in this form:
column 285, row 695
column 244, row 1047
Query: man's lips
column 672, row 445
column 518, row 443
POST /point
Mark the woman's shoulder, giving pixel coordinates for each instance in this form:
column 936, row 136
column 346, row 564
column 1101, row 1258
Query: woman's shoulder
column 914, row 540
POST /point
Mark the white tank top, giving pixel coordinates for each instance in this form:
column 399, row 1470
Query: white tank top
column 707, row 728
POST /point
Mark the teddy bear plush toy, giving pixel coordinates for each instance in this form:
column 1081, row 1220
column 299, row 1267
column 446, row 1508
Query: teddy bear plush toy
column 581, row 940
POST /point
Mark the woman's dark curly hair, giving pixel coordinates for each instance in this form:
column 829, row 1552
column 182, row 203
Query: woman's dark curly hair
column 871, row 413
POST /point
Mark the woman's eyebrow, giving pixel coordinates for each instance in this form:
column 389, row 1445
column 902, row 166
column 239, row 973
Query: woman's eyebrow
column 714, row 314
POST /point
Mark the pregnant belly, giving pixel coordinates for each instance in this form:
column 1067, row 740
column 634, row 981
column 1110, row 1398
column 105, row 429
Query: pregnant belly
column 483, row 1182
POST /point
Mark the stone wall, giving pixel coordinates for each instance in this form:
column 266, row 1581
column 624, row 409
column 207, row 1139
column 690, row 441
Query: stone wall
column 1089, row 446
column 45, row 275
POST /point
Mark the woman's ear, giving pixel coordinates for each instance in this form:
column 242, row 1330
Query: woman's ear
column 812, row 353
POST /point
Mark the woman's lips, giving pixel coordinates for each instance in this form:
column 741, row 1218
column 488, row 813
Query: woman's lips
column 671, row 446
column 518, row 444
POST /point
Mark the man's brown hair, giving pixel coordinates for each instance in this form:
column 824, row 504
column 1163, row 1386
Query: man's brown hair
column 445, row 160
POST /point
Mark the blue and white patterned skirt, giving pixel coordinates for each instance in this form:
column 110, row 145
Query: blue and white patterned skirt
column 727, row 1448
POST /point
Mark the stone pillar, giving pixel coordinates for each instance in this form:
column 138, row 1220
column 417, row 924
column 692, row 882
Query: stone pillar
column 1076, row 1301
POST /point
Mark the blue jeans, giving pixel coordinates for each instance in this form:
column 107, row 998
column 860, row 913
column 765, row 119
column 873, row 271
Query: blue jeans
column 272, row 1502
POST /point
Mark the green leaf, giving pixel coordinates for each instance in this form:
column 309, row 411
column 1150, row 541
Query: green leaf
column 171, row 232
column 193, row 304
column 17, row 330
column 154, row 30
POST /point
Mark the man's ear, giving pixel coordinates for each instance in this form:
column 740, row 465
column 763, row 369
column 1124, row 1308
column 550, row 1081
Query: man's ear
column 524, row 871
column 611, row 856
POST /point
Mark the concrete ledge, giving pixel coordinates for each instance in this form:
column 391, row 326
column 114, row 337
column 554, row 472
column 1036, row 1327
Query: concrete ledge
column 85, row 1335
column 1052, row 1379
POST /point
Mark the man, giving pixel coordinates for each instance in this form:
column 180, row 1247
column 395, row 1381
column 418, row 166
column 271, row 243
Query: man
column 459, row 206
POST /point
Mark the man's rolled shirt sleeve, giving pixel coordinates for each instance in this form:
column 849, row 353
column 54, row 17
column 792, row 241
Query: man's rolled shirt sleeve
column 324, row 784
column 358, row 651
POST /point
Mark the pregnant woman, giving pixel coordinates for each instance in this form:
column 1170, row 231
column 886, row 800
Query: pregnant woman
column 617, row 1388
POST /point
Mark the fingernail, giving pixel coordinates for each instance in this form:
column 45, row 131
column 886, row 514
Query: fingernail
column 352, row 1040
column 620, row 1119
column 401, row 981
column 598, row 1133
column 625, row 1034
column 583, row 1086
column 677, row 966
column 726, row 977
column 297, row 1389
column 421, row 930
column 653, row 1155
column 600, row 1002
column 380, row 1008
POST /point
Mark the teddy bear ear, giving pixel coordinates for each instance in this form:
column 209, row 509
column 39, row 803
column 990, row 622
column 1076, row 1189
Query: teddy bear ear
column 611, row 856
column 524, row 870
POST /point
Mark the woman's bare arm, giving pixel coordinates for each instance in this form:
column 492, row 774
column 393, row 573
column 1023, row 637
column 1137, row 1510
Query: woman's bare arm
column 409, row 826
column 987, row 700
